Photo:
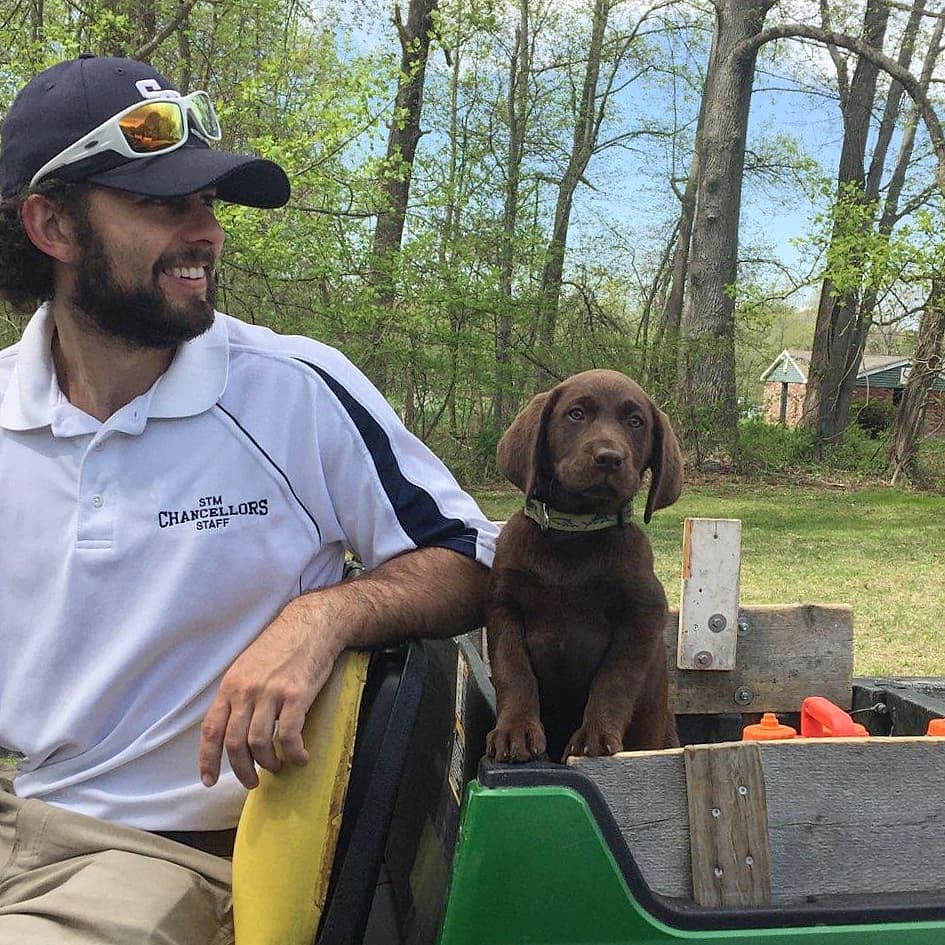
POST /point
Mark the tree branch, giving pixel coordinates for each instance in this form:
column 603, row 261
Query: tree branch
column 183, row 11
column 908, row 81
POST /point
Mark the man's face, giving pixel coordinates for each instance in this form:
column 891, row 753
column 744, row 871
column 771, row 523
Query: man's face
column 145, row 268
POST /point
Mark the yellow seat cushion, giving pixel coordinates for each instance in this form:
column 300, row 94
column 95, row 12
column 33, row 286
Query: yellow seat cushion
column 286, row 838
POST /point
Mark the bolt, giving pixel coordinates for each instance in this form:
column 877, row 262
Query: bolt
column 749, row 861
column 703, row 659
column 717, row 623
column 718, row 872
column 744, row 696
column 744, row 626
column 742, row 790
column 716, row 812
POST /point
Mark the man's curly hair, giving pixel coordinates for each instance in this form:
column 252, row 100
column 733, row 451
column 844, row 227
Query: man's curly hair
column 26, row 273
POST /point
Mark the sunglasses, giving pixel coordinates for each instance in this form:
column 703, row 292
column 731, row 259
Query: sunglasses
column 154, row 126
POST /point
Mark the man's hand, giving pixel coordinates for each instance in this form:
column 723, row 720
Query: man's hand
column 266, row 693
column 275, row 680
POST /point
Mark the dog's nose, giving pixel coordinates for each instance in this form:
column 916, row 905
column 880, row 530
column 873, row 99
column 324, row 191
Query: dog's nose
column 608, row 459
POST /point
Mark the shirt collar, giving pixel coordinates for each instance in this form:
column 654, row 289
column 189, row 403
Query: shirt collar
column 192, row 384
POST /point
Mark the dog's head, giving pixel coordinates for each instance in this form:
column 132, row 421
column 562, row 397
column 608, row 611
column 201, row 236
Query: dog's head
column 594, row 435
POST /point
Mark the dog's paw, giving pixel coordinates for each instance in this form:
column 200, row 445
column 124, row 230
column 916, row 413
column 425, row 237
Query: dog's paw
column 594, row 740
column 522, row 741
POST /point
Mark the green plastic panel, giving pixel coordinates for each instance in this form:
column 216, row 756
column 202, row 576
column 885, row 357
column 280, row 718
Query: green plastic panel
column 532, row 866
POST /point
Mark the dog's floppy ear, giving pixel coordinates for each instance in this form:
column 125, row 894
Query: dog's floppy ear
column 520, row 452
column 666, row 465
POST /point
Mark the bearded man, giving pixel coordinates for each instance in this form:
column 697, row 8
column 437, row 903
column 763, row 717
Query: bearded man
column 180, row 489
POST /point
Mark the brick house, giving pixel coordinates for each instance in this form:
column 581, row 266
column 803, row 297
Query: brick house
column 881, row 376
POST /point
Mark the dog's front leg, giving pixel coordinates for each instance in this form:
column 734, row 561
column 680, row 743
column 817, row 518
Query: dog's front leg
column 518, row 734
column 616, row 689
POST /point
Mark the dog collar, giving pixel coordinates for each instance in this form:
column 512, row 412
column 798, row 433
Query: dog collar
column 557, row 521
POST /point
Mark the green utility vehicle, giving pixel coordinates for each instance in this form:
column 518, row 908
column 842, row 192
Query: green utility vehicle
column 783, row 843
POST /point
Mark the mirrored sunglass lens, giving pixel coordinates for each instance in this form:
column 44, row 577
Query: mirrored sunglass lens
column 203, row 110
column 153, row 126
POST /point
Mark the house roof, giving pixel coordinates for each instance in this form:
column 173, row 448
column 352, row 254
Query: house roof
column 792, row 365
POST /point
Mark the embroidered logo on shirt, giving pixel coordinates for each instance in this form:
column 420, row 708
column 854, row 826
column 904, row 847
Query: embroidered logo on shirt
column 211, row 512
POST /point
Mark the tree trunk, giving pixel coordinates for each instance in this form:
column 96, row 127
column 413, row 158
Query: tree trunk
column 404, row 129
column 396, row 175
column 185, row 73
column 706, row 402
column 586, row 127
column 840, row 332
column 37, row 22
column 926, row 365
column 661, row 377
column 519, row 72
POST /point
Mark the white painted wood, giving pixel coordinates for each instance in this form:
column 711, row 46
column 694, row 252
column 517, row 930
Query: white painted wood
column 708, row 609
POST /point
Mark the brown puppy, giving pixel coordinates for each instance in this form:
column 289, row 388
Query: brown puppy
column 575, row 613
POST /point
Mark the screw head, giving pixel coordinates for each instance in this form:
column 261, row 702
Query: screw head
column 703, row 658
column 717, row 623
column 743, row 695
column 744, row 626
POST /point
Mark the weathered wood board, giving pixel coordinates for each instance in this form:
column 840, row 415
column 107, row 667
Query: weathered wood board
column 843, row 815
column 708, row 608
column 785, row 653
column 728, row 826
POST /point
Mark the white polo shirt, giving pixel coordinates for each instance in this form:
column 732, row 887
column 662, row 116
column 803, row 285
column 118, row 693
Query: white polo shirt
column 140, row 556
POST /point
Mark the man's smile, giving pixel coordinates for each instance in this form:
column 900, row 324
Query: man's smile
column 190, row 272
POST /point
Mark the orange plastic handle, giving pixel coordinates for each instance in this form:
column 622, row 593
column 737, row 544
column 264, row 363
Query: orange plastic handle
column 820, row 718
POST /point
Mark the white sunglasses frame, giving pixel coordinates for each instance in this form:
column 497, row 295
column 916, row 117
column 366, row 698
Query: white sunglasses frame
column 108, row 135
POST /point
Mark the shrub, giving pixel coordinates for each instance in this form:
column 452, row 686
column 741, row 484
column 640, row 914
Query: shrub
column 766, row 449
column 875, row 415
column 771, row 447
column 859, row 452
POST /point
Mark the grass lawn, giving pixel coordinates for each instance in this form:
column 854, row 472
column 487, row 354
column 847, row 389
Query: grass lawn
column 881, row 551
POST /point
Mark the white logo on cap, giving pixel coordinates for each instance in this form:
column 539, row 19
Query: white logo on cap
column 151, row 88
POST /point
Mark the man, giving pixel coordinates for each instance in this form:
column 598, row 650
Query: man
column 179, row 489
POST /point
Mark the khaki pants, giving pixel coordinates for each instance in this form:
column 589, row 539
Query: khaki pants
column 67, row 879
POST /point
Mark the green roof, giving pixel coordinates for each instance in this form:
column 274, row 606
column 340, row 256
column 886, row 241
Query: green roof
column 879, row 371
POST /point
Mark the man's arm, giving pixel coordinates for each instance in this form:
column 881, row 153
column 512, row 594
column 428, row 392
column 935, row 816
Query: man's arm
column 426, row 592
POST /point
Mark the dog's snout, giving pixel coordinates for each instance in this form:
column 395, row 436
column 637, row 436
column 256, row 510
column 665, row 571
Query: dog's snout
column 609, row 459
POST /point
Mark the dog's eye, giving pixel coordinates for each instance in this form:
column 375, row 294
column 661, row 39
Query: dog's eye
column 635, row 420
column 576, row 413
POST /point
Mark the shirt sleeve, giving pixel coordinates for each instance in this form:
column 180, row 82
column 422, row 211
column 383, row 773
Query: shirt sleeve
column 390, row 492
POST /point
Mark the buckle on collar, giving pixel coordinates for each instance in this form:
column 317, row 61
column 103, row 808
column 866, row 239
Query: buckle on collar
column 625, row 513
column 537, row 511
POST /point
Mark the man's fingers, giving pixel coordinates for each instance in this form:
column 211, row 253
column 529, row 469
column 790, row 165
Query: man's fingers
column 262, row 728
column 247, row 732
column 212, row 735
column 237, row 745
column 291, row 720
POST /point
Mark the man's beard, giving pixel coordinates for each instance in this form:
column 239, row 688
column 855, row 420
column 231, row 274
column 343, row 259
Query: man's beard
column 139, row 317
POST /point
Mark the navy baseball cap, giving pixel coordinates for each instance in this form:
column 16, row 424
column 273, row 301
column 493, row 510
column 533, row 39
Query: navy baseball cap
column 65, row 102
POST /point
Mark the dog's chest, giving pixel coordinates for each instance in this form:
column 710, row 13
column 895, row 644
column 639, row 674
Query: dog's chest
column 570, row 618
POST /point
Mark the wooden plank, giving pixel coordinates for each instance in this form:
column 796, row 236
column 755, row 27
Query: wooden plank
column 708, row 611
column 785, row 653
column 844, row 815
column 728, row 825
column 647, row 797
column 857, row 816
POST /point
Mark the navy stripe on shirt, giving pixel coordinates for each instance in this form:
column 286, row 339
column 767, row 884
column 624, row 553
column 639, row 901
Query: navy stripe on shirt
column 418, row 514
column 274, row 465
